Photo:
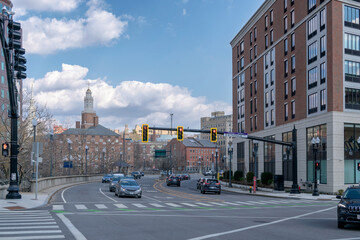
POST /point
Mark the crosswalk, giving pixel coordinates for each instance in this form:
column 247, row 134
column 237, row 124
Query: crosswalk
column 33, row 224
column 172, row 205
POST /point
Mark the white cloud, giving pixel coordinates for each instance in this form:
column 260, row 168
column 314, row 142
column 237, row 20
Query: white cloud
column 49, row 35
column 184, row 12
column 23, row 6
column 129, row 102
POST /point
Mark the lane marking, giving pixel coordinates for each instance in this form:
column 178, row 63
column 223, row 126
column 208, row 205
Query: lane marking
column 28, row 227
column 29, row 223
column 219, row 204
column 80, row 207
column 246, row 203
column 173, row 205
column 26, row 220
column 151, row 198
column 101, row 206
column 107, row 196
column 33, row 237
column 188, row 204
column 259, row 225
column 29, row 232
column 139, row 205
column 230, row 203
column 156, row 205
column 58, row 207
column 120, row 205
column 77, row 234
column 204, row 204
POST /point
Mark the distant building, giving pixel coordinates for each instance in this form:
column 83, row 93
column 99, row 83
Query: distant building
column 223, row 123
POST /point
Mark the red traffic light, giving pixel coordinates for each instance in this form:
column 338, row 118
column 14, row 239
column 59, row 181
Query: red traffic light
column 180, row 133
column 317, row 166
column 213, row 137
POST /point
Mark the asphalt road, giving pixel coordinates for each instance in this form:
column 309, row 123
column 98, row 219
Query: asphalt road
column 90, row 211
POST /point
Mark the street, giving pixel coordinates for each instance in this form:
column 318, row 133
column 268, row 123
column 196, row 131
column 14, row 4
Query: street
column 90, row 211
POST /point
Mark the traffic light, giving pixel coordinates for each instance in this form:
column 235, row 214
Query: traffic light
column 5, row 149
column 358, row 165
column 20, row 61
column 213, row 133
column 180, row 133
column 145, row 133
column 317, row 166
column 14, row 34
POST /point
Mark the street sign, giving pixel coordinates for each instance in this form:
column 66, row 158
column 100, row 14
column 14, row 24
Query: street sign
column 235, row 134
column 67, row 165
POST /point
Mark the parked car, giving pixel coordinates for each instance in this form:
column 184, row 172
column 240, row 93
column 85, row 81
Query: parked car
column 129, row 177
column 142, row 174
column 128, row 187
column 208, row 173
column 114, row 180
column 106, row 178
column 179, row 176
column 136, row 175
column 173, row 180
column 348, row 209
column 210, row 185
column 199, row 182
column 185, row 176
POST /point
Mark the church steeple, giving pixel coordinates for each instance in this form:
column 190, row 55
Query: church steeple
column 88, row 115
column 88, row 102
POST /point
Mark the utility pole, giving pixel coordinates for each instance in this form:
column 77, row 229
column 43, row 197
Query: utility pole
column 171, row 116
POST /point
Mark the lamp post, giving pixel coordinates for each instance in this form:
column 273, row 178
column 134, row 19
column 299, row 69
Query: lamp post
column 212, row 164
column 230, row 151
column 69, row 145
column 103, row 163
column 86, row 153
column 216, row 159
column 144, row 164
column 52, row 150
column 34, row 123
column 171, row 115
column 315, row 144
column 255, row 151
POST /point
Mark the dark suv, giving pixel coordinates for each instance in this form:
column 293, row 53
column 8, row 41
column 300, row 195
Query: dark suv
column 173, row 180
column 210, row 185
column 348, row 209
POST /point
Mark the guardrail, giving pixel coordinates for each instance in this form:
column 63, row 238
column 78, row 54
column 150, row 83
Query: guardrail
column 44, row 183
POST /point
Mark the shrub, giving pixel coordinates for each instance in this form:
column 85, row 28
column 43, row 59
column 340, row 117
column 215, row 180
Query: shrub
column 340, row 192
column 238, row 175
column 249, row 176
column 265, row 177
column 226, row 174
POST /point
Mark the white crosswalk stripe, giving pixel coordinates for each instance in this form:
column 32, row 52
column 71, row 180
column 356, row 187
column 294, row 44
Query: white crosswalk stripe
column 58, row 207
column 188, row 204
column 139, row 205
column 172, row 205
column 29, row 225
column 101, row 206
column 81, row 207
column 156, row 205
column 218, row 204
column 119, row 205
column 230, row 203
column 204, row 204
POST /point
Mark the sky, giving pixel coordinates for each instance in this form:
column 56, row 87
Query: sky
column 143, row 59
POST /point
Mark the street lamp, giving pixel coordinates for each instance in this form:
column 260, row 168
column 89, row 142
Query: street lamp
column 315, row 144
column 103, row 165
column 86, row 153
column 69, row 145
column 34, row 123
column 52, row 150
column 212, row 164
column 255, row 152
column 144, row 164
column 199, row 162
column 216, row 158
column 230, row 152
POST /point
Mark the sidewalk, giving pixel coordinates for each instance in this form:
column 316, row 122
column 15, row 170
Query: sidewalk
column 272, row 193
column 28, row 200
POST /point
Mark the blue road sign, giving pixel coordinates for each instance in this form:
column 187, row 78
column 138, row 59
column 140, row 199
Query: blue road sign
column 67, row 165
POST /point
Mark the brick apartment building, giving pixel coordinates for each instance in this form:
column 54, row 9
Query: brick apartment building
column 296, row 63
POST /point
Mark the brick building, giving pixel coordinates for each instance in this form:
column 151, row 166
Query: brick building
column 296, row 63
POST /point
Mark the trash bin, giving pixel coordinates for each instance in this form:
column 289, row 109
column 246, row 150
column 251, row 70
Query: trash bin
column 279, row 182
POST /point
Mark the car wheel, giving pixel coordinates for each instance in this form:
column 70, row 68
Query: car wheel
column 140, row 196
column 341, row 224
column 219, row 192
column 178, row 185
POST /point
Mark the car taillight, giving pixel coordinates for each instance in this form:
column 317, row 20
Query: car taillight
column 207, row 183
column 218, row 184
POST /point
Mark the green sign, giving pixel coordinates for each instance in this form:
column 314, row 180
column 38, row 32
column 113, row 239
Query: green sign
column 161, row 153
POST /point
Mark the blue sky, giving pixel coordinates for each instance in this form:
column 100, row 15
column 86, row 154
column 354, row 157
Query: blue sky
column 143, row 59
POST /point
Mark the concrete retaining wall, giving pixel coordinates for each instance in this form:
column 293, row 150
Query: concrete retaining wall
column 3, row 191
column 44, row 183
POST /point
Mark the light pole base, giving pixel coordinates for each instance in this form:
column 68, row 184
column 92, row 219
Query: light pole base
column 295, row 189
column 315, row 192
column 13, row 192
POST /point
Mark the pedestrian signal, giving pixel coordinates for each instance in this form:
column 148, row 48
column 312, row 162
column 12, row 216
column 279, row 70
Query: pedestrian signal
column 317, row 166
column 5, row 149
column 213, row 137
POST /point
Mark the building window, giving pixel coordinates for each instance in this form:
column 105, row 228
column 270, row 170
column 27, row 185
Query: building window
column 272, row 56
column 266, row 41
column 271, row 17
column 237, row 51
column 2, row 93
column 285, row 5
column 255, row 69
column 272, row 76
column 251, row 123
column 242, row 127
column 266, row 119
column 242, row 111
column 322, row 100
column 286, row 68
column 293, row 109
column 312, row 27
column 242, row 63
column 322, row 73
column 286, row 91
column 242, row 47
column 311, row 5
column 269, row 156
column 312, row 52
column 352, row 71
column 292, row 18
column 285, row 24
column 312, row 103
column 293, row 64
column 272, row 96
column 352, row 98
column 251, row 72
column 251, row 38
column 267, row 60
column 242, row 95
column 292, row 42
column 312, row 78
column 317, row 131
column 286, row 111
column 251, row 106
column 255, row 33
column 293, row 86
column 2, row 79
column 292, row 2
column 351, row 17
column 272, row 116
column 238, row 66
column 255, row 51
column 251, row 89
column 266, row 80
column 266, row 22
column 250, row 54
column 266, row 99
column 322, row 46
column 352, row 44
column 255, row 122
column 285, row 46
column 323, row 19
column 2, row 66
column 287, row 157
column 255, row 105
column 271, row 36
column 255, row 86
column 242, row 79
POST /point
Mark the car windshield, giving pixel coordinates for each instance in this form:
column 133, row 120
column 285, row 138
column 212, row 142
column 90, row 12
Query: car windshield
column 129, row 183
column 352, row 193
column 108, row 175
column 115, row 179
column 212, row 181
